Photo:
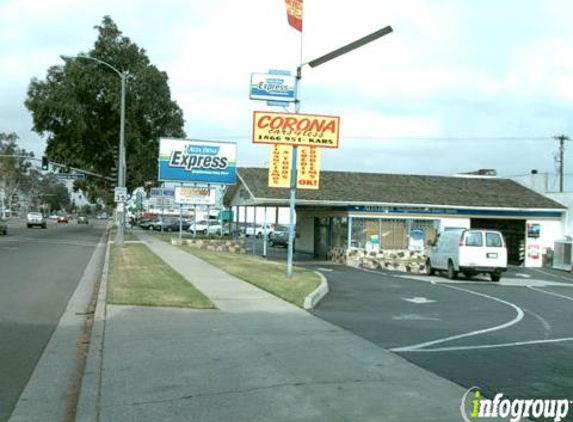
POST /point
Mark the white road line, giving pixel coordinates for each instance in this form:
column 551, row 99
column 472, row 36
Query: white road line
column 553, row 275
column 551, row 293
column 546, row 326
column 517, row 319
column 488, row 346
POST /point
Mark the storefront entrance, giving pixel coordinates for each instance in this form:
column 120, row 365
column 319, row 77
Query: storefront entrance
column 513, row 232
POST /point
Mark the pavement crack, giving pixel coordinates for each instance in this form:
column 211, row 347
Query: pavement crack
column 247, row 390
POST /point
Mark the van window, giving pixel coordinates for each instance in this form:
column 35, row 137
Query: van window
column 493, row 240
column 474, row 239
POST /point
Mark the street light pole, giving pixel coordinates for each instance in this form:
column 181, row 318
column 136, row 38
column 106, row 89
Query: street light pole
column 314, row 63
column 121, row 167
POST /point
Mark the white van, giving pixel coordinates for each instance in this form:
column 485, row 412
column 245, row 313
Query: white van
column 470, row 252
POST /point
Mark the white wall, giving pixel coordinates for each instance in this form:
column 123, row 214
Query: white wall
column 454, row 222
column 550, row 231
column 566, row 199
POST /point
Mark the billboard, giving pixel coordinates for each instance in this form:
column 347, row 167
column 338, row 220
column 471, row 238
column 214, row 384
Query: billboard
column 185, row 160
column 186, row 195
column 296, row 129
column 272, row 87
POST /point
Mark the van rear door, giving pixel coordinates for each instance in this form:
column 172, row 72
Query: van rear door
column 495, row 250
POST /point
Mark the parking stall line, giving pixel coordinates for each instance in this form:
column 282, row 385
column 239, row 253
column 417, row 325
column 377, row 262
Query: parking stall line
column 550, row 293
column 425, row 345
column 485, row 346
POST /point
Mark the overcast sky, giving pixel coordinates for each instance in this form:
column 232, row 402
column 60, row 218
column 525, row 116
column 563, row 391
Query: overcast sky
column 500, row 71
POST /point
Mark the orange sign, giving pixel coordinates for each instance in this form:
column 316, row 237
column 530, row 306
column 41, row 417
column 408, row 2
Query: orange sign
column 296, row 129
column 294, row 13
column 308, row 168
column 280, row 166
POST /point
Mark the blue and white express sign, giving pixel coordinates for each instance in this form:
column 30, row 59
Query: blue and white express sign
column 184, row 160
column 272, row 87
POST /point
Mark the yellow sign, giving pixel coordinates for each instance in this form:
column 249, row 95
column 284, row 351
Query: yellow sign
column 280, row 166
column 296, row 129
column 308, row 168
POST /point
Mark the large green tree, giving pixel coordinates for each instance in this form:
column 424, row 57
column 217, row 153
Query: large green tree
column 15, row 175
column 77, row 108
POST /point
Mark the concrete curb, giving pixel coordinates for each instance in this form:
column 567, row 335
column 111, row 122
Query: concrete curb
column 89, row 399
column 317, row 294
column 42, row 399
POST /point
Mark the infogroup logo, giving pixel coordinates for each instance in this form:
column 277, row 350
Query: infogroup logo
column 475, row 407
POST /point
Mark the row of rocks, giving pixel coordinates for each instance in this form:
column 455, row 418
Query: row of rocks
column 232, row 246
column 388, row 260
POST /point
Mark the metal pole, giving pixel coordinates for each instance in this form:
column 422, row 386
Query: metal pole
column 181, row 219
column 254, row 229
column 121, row 173
column 265, row 233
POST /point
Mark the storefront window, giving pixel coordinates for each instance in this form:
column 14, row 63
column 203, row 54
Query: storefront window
column 339, row 231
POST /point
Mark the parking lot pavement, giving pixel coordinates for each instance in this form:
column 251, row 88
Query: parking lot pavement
column 513, row 337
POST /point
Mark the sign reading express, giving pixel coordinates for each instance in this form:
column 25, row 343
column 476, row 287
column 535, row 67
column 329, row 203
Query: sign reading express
column 185, row 160
column 296, row 129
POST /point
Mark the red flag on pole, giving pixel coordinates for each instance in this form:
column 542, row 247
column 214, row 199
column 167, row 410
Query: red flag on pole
column 294, row 13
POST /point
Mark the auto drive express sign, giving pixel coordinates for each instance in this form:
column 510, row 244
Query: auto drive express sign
column 184, row 160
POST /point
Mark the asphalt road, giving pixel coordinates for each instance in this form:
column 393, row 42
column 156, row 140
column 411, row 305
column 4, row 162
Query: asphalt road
column 39, row 271
column 504, row 338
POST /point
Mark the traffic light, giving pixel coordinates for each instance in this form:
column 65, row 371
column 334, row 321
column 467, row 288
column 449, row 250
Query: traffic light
column 45, row 163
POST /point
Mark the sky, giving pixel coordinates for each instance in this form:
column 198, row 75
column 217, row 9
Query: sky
column 459, row 85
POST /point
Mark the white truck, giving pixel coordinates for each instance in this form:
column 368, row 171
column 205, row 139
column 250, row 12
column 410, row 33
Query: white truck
column 468, row 251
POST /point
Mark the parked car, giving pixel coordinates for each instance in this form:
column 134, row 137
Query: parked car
column 35, row 219
column 201, row 227
column 170, row 224
column 150, row 224
column 258, row 230
column 3, row 227
column 279, row 236
column 82, row 219
column 63, row 219
column 470, row 252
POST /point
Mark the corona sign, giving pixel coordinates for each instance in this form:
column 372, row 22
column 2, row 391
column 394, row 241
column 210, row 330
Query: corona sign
column 296, row 129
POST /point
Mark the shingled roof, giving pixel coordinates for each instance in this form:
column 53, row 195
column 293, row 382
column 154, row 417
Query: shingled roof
column 388, row 189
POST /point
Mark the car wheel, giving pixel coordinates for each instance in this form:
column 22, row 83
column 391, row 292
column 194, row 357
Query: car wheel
column 495, row 276
column 151, row 228
column 429, row 269
column 271, row 243
column 452, row 274
column 29, row 226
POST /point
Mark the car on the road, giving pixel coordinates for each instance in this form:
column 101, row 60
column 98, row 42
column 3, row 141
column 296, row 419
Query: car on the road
column 3, row 227
column 63, row 219
column 83, row 219
column 35, row 219
column 469, row 252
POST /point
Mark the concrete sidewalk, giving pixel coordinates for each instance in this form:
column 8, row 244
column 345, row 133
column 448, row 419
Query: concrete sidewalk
column 256, row 358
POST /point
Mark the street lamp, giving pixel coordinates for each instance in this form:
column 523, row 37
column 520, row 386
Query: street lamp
column 121, row 173
column 314, row 63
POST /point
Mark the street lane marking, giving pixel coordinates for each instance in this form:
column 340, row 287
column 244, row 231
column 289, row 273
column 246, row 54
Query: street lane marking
column 418, row 300
column 522, row 275
column 487, row 346
column 546, row 325
column 516, row 320
column 551, row 293
column 414, row 317
column 569, row 279
column 328, row 270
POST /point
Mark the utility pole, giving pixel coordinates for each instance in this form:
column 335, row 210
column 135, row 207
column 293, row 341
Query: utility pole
column 561, row 139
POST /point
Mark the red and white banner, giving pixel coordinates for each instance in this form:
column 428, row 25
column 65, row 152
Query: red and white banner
column 294, row 13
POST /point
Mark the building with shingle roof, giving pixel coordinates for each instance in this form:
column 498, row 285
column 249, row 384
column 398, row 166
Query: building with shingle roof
column 383, row 211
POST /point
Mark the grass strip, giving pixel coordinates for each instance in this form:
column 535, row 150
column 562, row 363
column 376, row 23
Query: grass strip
column 139, row 277
column 268, row 275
